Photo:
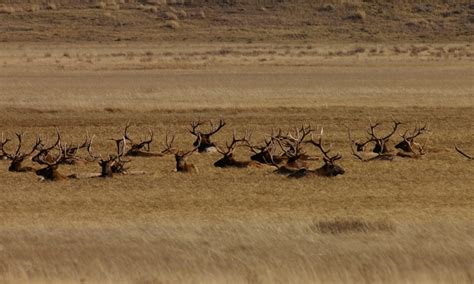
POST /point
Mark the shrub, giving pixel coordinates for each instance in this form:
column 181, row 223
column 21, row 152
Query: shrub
column 172, row 24
column 171, row 16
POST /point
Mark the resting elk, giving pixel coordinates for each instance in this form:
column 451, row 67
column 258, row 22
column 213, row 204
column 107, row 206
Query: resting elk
column 50, row 171
column 292, row 146
column 115, row 164
column 19, row 157
column 329, row 169
column 228, row 160
column 141, row 149
column 182, row 165
column 408, row 147
column 203, row 139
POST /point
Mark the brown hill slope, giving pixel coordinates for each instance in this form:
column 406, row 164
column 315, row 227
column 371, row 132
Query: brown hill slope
column 252, row 21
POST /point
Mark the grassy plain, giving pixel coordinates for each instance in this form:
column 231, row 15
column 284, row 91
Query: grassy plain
column 400, row 221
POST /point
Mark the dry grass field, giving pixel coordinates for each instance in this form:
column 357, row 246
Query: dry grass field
column 259, row 65
column 409, row 220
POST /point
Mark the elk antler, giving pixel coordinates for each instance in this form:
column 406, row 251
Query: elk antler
column 235, row 142
column 463, row 153
column 319, row 144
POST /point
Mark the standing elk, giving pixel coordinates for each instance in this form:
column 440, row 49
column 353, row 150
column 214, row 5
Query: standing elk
column 228, row 160
column 182, row 166
column 18, row 157
column 460, row 151
column 203, row 139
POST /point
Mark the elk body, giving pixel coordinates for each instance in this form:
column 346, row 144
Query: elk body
column 203, row 139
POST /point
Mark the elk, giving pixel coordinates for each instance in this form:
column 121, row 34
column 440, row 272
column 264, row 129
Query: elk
column 182, row 166
column 382, row 144
column 329, row 169
column 408, row 147
column 264, row 154
column 228, row 160
column 18, row 158
column 366, row 157
column 203, row 139
column 141, row 149
column 3, row 154
column 292, row 147
column 50, row 171
column 114, row 164
column 460, row 151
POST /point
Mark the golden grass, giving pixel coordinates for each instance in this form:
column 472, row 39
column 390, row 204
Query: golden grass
column 400, row 221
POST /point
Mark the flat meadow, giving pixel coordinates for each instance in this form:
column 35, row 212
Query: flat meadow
column 407, row 220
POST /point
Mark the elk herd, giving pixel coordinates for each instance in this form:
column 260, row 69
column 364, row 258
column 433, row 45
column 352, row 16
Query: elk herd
column 286, row 152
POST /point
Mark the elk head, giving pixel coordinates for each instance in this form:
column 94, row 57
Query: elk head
column 18, row 157
column 181, row 157
column 143, row 147
column 292, row 146
column 330, row 168
column 50, row 172
column 375, row 156
column 203, row 139
column 114, row 164
column 228, row 159
column 265, row 154
column 408, row 143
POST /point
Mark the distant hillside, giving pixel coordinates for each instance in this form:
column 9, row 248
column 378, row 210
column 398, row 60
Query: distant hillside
column 237, row 21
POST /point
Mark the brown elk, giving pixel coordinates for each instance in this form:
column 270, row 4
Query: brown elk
column 3, row 153
column 182, row 165
column 203, row 139
column 50, row 172
column 382, row 144
column 366, row 157
column 18, row 157
column 329, row 169
column 265, row 154
column 228, row 160
column 460, row 151
column 292, row 147
column 408, row 147
column 141, row 149
column 115, row 164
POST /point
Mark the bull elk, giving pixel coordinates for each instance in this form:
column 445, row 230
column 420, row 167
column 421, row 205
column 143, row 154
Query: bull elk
column 408, row 147
column 292, row 146
column 115, row 164
column 142, row 148
column 182, row 165
column 460, row 151
column 50, row 171
column 329, row 169
column 228, row 160
column 364, row 156
column 19, row 157
column 203, row 139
